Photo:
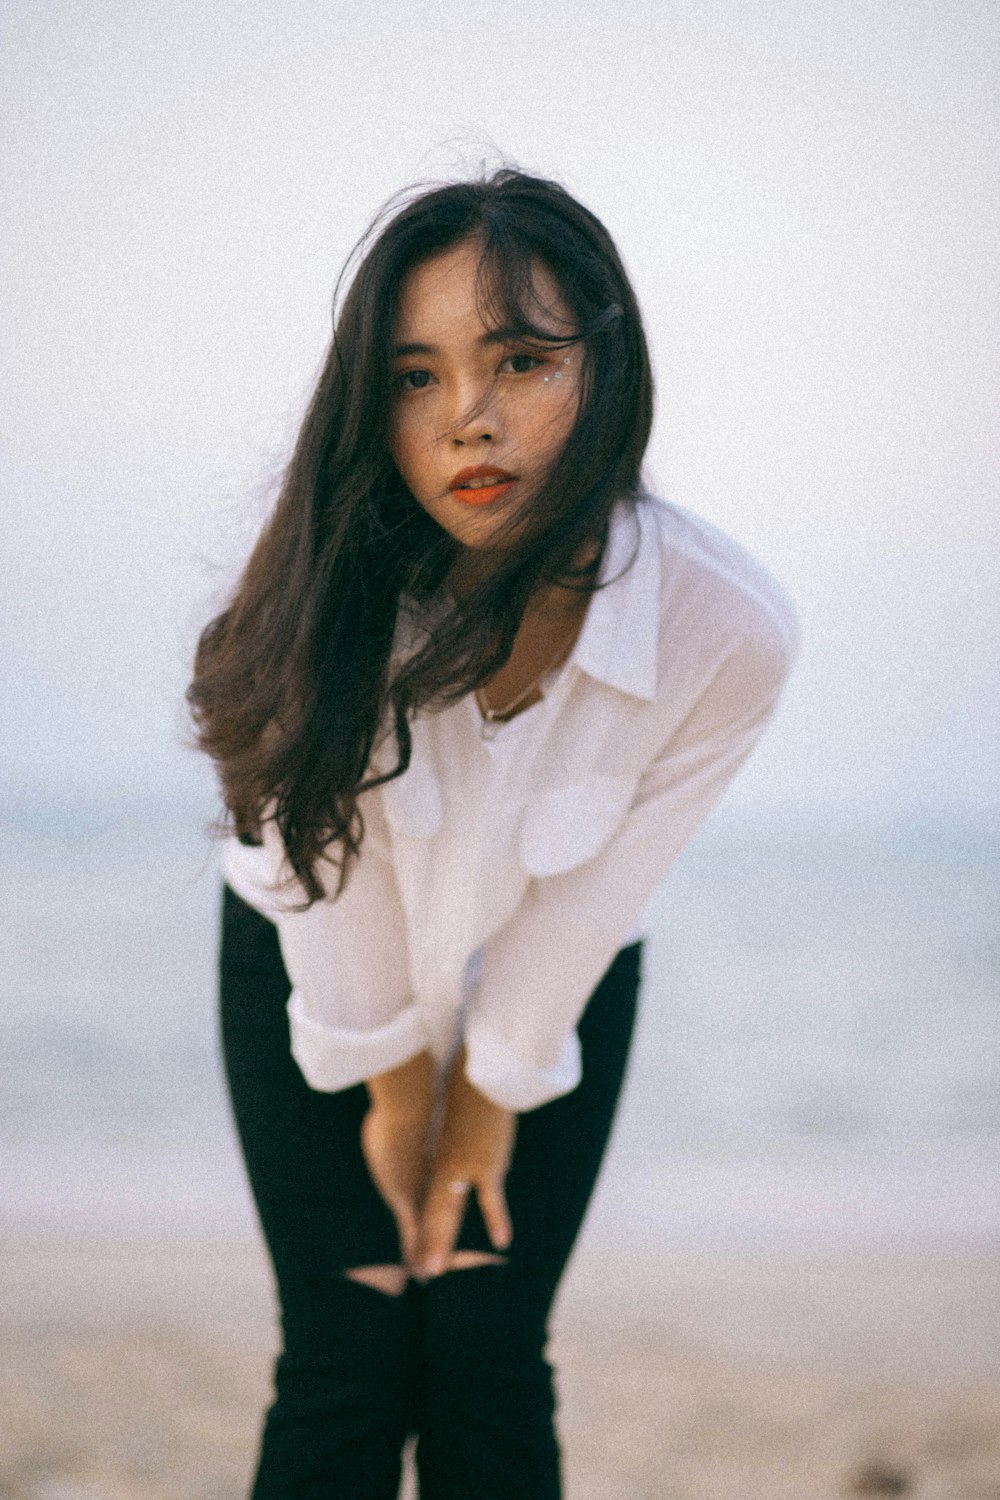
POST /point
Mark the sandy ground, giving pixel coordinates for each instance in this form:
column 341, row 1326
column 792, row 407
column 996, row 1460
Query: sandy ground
column 138, row 1372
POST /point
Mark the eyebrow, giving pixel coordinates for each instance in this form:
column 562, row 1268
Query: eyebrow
column 496, row 336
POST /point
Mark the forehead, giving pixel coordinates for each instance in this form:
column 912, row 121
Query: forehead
column 447, row 293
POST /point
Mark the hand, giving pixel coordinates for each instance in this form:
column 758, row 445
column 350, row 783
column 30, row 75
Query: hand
column 394, row 1142
column 395, row 1150
column 473, row 1149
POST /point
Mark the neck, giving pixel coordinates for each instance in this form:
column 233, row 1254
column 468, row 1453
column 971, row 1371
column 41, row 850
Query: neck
column 472, row 566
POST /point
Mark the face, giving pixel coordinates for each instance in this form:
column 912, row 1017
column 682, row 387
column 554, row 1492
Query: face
column 478, row 415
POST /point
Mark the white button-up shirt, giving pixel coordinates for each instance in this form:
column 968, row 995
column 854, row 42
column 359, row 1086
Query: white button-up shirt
column 498, row 878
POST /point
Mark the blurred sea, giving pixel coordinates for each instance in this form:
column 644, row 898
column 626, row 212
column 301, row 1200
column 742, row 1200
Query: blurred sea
column 817, row 1061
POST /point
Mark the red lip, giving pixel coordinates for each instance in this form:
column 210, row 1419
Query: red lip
column 482, row 494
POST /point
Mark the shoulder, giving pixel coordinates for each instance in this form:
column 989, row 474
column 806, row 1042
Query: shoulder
column 717, row 602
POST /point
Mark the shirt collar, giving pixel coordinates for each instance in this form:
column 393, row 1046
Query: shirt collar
column 619, row 641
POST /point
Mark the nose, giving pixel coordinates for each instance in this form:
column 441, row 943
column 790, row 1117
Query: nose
column 477, row 421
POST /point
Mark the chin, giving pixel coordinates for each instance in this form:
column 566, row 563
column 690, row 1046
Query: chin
column 474, row 530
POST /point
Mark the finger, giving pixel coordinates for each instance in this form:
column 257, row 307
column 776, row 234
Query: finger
column 440, row 1222
column 493, row 1207
column 408, row 1225
column 403, row 1207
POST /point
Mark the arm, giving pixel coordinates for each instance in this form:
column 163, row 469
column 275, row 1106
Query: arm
column 350, row 1012
column 540, row 969
column 350, row 1016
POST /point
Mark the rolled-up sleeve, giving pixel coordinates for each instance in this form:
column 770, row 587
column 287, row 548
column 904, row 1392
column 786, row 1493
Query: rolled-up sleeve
column 539, row 970
column 351, row 1011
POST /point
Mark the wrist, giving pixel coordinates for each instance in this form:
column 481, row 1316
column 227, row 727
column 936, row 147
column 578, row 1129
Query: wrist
column 467, row 1109
column 405, row 1092
column 462, row 1092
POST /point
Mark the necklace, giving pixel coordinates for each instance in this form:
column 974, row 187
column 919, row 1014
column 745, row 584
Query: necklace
column 493, row 717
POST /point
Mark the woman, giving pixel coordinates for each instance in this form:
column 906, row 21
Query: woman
column 474, row 691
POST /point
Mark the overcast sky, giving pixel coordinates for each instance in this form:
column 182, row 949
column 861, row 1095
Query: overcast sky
column 805, row 193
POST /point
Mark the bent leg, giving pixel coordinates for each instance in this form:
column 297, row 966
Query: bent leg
column 342, row 1406
column 344, row 1379
column 487, row 1420
column 487, row 1428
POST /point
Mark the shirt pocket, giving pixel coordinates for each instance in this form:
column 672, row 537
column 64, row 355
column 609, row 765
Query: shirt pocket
column 568, row 825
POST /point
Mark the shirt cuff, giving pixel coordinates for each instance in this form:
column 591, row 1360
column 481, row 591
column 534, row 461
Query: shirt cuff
column 515, row 1082
column 331, row 1058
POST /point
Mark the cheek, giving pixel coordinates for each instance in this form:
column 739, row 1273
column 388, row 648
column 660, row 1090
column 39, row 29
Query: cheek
column 549, row 421
column 406, row 443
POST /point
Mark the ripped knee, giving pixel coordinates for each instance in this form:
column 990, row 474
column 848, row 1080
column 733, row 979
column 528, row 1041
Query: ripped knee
column 388, row 1279
column 464, row 1260
column 391, row 1280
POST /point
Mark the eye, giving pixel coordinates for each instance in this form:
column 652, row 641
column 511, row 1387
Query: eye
column 522, row 364
column 412, row 380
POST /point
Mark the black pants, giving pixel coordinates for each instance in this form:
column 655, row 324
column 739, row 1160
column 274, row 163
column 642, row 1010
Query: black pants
column 460, row 1361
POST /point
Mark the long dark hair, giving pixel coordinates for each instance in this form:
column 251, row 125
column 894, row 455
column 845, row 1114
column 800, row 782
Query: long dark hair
column 292, row 689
